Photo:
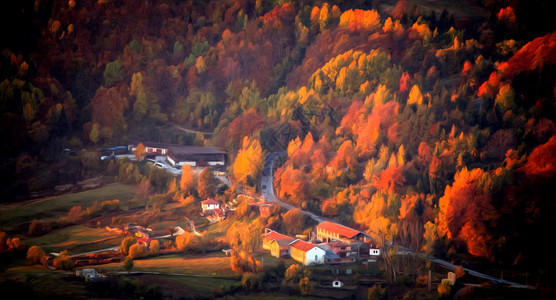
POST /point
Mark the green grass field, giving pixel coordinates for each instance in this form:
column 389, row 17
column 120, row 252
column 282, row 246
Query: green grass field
column 75, row 239
column 212, row 264
column 51, row 208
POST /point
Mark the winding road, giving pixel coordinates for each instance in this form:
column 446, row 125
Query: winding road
column 267, row 185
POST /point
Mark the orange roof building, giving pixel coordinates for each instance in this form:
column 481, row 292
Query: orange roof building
column 209, row 204
column 271, row 236
column 328, row 231
column 306, row 253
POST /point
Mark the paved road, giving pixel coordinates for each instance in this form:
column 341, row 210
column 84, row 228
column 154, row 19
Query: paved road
column 267, row 185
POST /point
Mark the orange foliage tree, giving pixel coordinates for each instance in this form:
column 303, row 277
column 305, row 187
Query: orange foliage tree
column 466, row 211
column 249, row 160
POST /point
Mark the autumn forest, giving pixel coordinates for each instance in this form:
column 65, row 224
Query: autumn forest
column 427, row 125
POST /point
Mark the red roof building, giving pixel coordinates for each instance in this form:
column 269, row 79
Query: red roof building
column 328, row 231
column 271, row 236
column 209, row 204
column 306, row 253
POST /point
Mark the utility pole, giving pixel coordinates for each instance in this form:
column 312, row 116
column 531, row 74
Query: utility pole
column 429, row 285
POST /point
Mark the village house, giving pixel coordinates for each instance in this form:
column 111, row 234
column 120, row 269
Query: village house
column 88, row 274
column 337, row 283
column 280, row 247
column 328, row 231
column 265, row 210
column 306, row 253
column 270, row 236
column 338, row 252
column 209, row 205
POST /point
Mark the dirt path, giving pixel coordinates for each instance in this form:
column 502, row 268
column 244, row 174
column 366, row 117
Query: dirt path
column 179, row 127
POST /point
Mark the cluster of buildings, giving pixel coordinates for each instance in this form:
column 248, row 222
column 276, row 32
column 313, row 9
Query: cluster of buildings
column 215, row 212
column 212, row 211
column 179, row 155
column 334, row 244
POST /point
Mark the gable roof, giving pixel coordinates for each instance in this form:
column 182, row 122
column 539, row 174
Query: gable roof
column 283, row 242
column 302, row 245
column 210, row 201
column 273, row 235
column 340, row 229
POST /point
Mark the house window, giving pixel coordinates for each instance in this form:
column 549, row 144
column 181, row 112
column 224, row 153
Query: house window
column 316, row 257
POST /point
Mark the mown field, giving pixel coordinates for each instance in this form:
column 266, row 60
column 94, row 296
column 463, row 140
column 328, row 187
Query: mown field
column 52, row 208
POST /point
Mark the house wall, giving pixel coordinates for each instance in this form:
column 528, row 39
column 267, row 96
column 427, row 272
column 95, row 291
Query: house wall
column 216, row 163
column 324, row 235
column 278, row 251
column 315, row 256
column 267, row 244
column 210, row 206
column 298, row 255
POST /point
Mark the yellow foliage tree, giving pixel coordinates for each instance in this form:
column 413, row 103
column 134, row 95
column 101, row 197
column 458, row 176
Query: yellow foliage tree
column 415, row 96
column 249, row 160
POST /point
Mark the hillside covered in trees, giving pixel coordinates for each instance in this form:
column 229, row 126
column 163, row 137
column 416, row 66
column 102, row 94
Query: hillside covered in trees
column 428, row 124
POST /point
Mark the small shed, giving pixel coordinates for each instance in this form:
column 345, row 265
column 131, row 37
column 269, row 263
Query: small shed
column 88, row 274
column 337, row 283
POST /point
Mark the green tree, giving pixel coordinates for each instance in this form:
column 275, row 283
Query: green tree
column 128, row 264
column 113, row 72
column 505, row 98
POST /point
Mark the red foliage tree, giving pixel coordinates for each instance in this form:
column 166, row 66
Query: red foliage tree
column 542, row 160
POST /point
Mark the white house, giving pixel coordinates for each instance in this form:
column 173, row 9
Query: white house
column 337, row 283
column 209, row 204
column 306, row 253
column 374, row 252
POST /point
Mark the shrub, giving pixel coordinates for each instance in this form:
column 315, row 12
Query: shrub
column 110, row 205
column 306, row 286
column 75, row 214
column 154, row 247
column 38, row 228
column 376, row 293
column 63, row 261
column 126, row 243
column 137, row 251
column 187, row 241
column 252, row 282
column 14, row 244
column 34, row 254
column 292, row 272
column 444, row 288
